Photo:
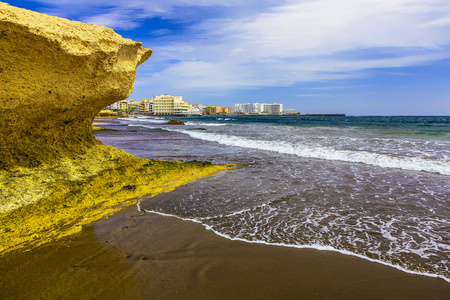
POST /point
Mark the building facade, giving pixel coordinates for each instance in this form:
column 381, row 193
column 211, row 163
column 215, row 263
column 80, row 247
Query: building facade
column 146, row 107
column 210, row 110
column 123, row 105
column 169, row 105
column 115, row 105
column 272, row 109
column 258, row 109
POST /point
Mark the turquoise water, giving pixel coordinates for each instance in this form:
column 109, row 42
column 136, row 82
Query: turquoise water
column 402, row 126
column 374, row 187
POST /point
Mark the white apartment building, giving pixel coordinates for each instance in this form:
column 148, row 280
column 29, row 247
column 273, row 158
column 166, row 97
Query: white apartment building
column 239, row 108
column 259, row 108
column 272, row 109
column 247, row 108
column 194, row 111
column 115, row 105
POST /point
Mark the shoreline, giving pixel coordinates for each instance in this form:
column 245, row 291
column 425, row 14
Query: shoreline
column 137, row 255
column 310, row 247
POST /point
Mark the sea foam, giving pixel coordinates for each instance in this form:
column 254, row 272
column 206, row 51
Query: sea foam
column 327, row 153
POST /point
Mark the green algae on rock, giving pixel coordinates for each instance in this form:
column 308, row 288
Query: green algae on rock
column 175, row 122
column 72, row 194
column 107, row 114
column 56, row 75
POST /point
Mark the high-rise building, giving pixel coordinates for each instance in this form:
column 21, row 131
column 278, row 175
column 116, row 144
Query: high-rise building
column 272, row 109
column 247, row 108
column 258, row 108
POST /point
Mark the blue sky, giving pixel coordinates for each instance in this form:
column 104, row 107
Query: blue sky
column 359, row 57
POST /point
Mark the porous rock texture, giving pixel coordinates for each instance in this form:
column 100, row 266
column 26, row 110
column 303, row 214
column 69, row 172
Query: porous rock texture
column 55, row 76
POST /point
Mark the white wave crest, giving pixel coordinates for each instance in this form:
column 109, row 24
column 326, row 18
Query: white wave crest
column 206, row 124
column 375, row 159
column 144, row 120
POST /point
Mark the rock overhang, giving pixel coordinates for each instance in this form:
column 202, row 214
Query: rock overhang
column 55, row 76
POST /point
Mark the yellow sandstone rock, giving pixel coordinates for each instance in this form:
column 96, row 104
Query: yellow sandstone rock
column 55, row 76
column 74, row 203
column 55, row 177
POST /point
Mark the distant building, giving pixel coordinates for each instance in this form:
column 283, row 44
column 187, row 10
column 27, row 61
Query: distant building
column 194, row 110
column 272, row 109
column 258, row 108
column 201, row 107
column 133, row 106
column 289, row 111
column 169, row 105
column 123, row 105
column 115, row 105
column 146, row 107
column 247, row 108
column 227, row 110
column 210, row 110
column 218, row 110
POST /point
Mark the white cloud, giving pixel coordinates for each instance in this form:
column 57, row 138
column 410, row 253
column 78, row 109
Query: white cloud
column 113, row 19
column 307, row 41
column 250, row 44
column 126, row 14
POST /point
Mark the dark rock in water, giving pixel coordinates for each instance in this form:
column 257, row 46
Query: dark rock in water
column 130, row 187
column 197, row 129
column 175, row 122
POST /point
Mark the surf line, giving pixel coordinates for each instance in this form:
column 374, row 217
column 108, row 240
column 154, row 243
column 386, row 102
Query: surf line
column 316, row 246
column 374, row 159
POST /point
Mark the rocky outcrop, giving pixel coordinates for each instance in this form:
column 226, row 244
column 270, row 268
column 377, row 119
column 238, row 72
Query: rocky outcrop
column 107, row 114
column 55, row 76
column 175, row 122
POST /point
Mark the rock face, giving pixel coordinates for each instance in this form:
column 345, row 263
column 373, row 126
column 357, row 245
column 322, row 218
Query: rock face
column 55, row 76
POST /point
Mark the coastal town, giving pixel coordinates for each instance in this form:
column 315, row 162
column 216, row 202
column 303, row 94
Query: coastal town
column 167, row 105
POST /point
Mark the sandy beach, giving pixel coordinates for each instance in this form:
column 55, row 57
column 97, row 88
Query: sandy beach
column 146, row 256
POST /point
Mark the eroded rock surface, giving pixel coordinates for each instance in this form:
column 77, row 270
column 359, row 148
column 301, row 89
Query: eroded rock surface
column 55, row 76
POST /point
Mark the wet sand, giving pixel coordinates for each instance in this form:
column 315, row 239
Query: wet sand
column 147, row 256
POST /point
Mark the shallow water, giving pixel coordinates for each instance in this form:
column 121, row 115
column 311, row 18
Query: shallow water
column 376, row 187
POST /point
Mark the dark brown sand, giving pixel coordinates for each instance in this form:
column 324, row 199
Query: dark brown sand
column 132, row 256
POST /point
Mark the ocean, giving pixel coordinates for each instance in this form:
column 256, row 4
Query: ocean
column 373, row 187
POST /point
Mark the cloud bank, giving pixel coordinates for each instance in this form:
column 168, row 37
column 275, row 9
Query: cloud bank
column 234, row 44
